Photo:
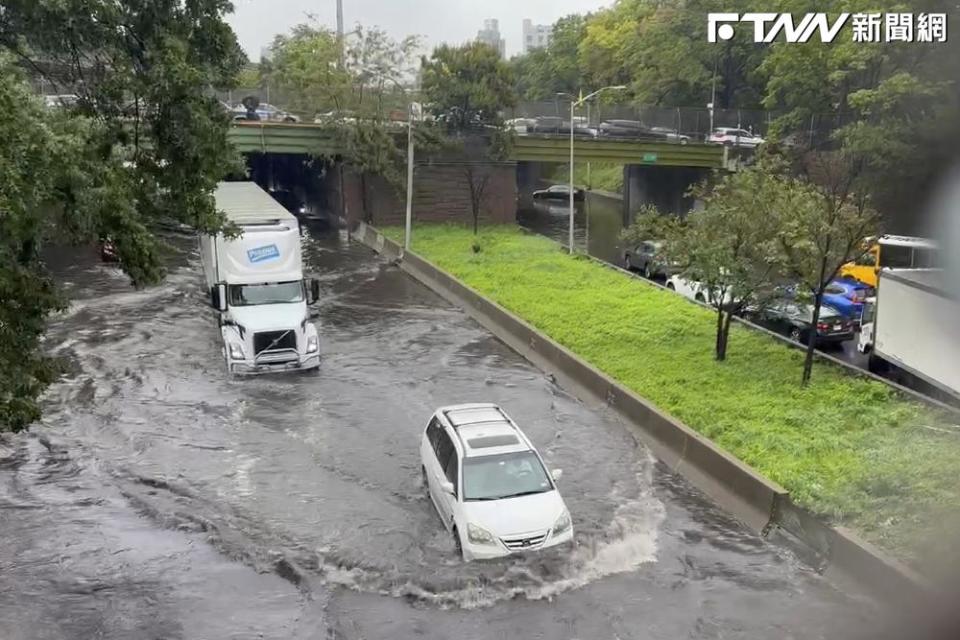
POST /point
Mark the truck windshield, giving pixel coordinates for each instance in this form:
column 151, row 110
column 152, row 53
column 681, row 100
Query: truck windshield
column 242, row 295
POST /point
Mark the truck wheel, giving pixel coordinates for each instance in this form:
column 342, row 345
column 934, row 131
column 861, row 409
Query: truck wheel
column 699, row 298
column 671, row 287
column 646, row 272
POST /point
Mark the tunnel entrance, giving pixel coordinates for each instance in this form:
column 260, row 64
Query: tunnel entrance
column 304, row 185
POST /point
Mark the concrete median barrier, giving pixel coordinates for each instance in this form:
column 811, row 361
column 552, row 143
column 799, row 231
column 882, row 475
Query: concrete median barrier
column 759, row 503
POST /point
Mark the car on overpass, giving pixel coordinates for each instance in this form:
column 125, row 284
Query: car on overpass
column 735, row 137
column 489, row 485
column 670, row 135
column 559, row 192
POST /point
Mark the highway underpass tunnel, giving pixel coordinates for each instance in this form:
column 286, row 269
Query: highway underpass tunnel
column 305, row 185
column 664, row 187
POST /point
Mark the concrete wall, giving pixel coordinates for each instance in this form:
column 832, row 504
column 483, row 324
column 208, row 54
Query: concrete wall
column 663, row 187
column 441, row 193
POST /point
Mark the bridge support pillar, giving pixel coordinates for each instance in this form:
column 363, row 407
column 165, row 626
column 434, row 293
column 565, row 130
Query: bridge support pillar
column 663, row 187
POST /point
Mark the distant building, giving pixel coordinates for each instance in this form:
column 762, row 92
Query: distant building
column 535, row 36
column 490, row 34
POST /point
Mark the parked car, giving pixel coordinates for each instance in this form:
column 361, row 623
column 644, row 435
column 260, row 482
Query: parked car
column 670, row 135
column 647, row 258
column 558, row 192
column 691, row 289
column 794, row 320
column 489, row 485
column 735, row 137
column 847, row 297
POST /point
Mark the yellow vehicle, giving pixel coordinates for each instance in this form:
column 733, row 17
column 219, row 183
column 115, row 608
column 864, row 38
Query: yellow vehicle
column 898, row 252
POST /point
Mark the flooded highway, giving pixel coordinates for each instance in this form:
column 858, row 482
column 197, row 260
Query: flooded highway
column 160, row 498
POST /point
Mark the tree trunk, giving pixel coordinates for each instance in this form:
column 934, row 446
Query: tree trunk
column 718, row 349
column 726, row 335
column 812, row 339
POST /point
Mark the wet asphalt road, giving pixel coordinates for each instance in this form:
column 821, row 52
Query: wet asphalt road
column 161, row 499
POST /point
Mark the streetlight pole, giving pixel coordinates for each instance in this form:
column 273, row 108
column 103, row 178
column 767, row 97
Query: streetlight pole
column 413, row 110
column 573, row 105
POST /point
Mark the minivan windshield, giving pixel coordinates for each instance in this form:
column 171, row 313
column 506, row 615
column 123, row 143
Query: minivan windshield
column 242, row 295
column 506, row 475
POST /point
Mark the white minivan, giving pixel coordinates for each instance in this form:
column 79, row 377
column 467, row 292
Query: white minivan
column 489, row 485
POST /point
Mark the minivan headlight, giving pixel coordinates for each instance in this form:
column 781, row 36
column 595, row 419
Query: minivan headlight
column 313, row 344
column 479, row 535
column 562, row 525
column 236, row 351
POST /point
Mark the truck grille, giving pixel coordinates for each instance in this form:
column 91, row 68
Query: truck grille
column 523, row 543
column 265, row 340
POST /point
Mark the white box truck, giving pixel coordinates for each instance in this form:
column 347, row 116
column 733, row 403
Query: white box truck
column 256, row 284
column 911, row 330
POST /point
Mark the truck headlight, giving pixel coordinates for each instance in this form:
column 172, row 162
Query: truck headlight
column 562, row 525
column 313, row 343
column 479, row 535
column 236, row 351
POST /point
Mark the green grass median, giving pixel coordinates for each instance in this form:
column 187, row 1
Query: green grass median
column 846, row 447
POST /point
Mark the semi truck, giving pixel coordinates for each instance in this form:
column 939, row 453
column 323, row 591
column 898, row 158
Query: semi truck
column 254, row 279
column 911, row 331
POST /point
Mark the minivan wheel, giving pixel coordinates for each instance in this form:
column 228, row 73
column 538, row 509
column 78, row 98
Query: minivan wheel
column 795, row 335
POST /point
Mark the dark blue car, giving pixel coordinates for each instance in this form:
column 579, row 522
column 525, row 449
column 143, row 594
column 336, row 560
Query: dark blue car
column 847, row 297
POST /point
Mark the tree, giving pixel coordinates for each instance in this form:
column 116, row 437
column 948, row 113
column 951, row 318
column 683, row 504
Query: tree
column 543, row 73
column 483, row 153
column 731, row 246
column 660, row 51
column 305, row 67
column 145, row 143
column 823, row 230
column 467, row 85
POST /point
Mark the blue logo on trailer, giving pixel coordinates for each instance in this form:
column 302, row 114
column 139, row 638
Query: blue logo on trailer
column 263, row 254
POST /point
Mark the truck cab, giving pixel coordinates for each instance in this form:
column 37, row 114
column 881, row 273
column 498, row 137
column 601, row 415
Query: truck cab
column 256, row 284
column 899, row 252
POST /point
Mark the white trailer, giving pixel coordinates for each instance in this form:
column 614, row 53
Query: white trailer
column 912, row 331
column 256, row 284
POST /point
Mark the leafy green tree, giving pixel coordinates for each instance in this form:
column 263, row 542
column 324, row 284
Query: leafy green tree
column 822, row 230
column 145, row 143
column 467, row 85
column 731, row 246
column 660, row 50
column 305, row 68
column 543, row 73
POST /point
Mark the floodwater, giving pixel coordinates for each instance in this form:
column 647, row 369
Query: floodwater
column 160, row 498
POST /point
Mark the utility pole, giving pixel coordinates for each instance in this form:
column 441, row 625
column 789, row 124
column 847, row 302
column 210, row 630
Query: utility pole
column 340, row 30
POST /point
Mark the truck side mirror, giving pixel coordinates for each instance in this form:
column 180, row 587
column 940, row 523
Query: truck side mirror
column 313, row 290
column 218, row 297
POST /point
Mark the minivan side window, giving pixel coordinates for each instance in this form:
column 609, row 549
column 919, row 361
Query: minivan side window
column 451, row 469
column 445, row 450
column 433, row 433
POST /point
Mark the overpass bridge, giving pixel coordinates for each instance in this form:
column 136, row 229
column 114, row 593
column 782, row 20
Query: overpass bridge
column 317, row 139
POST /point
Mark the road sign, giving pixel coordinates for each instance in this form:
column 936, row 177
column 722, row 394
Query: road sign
column 649, row 157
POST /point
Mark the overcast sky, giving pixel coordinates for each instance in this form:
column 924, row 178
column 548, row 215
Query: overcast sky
column 454, row 21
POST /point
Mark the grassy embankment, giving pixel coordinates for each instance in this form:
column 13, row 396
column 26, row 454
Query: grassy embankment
column 846, row 447
column 604, row 176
